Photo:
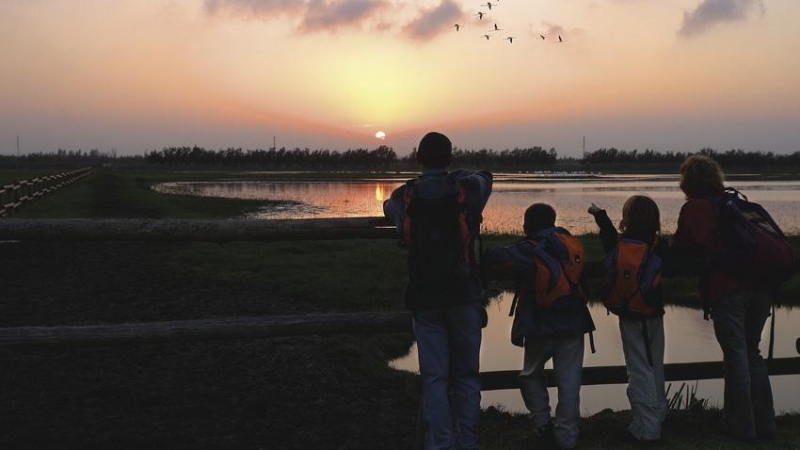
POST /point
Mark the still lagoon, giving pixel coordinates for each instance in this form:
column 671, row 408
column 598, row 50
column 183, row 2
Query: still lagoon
column 689, row 337
column 570, row 195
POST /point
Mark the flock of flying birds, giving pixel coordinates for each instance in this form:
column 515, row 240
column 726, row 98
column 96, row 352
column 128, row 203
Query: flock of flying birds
column 486, row 36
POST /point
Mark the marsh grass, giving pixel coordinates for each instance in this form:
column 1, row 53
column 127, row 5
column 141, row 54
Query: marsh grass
column 685, row 399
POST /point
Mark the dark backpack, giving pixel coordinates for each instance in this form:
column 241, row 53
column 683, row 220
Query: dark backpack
column 754, row 245
column 438, row 237
column 632, row 282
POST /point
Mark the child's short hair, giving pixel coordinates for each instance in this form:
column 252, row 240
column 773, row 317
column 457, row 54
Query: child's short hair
column 640, row 217
column 701, row 175
column 435, row 151
column 539, row 216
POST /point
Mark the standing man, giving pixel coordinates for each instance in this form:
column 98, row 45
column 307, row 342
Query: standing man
column 438, row 215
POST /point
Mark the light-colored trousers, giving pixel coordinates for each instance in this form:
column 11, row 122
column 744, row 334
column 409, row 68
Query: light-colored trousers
column 645, row 380
column 448, row 346
column 567, row 355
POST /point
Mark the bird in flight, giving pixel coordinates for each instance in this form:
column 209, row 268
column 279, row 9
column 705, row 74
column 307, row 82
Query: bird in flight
column 559, row 38
column 457, row 26
column 480, row 15
column 489, row 5
column 495, row 28
column 486, row 36
column 510, row 39
column 541, row 36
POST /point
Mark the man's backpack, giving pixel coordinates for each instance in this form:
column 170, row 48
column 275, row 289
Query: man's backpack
column 632, row 278
column 559, row 261
column 754, row 245
column 438, row 237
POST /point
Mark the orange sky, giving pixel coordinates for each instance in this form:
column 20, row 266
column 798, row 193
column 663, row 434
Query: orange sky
column 140, row 75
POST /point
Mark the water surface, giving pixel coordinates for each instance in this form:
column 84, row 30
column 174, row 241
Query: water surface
column 689, row 338
column 512, row 194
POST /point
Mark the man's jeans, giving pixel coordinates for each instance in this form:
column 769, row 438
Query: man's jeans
column 645, row 380
column 567, row 354
column 738, row 321
column 448, row 345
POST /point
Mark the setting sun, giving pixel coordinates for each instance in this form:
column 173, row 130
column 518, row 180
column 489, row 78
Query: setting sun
column 380, row 135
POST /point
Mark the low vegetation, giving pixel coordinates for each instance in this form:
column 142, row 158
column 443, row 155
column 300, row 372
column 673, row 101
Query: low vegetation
column 287, row 393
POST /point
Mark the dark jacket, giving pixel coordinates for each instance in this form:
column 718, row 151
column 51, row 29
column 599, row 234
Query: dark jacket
column 477, row 186
column 565, row 319
column 696, row 240
column 609, row 236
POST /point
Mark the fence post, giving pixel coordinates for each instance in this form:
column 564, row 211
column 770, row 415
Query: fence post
column 13, row 195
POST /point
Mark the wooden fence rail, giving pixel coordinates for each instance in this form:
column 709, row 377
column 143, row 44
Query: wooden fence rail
column 264, row 327
column 14, row 195
column 169, row 230
column 29, row 338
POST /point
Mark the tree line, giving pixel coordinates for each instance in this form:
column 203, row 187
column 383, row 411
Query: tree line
column 382, row 157
column 730, row 158
column 385, row 158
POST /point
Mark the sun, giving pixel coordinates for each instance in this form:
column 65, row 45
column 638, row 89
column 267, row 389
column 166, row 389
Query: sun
column 380, row 135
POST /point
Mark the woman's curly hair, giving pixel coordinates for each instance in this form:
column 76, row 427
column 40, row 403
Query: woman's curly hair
column 701, row 175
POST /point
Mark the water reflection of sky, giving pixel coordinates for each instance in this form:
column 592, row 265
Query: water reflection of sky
column 513, row 193
column 689, row 338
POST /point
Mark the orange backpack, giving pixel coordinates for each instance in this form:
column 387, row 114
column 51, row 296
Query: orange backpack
column 559, row 265
column 632, row 272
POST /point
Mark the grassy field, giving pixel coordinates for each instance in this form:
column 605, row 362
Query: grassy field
column 287, row 393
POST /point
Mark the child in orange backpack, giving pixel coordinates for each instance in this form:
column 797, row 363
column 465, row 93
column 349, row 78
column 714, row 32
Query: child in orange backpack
column 631, row 289
column 550, row 318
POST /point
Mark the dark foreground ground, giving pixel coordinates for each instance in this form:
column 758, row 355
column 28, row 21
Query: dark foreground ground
column 285, row 393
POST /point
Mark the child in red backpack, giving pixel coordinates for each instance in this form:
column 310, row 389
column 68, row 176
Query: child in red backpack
column 632, row 290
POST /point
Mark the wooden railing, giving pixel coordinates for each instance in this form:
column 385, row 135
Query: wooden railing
column 272, row 326
column 15, row 195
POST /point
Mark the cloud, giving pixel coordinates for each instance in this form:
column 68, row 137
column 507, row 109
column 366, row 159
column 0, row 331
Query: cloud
column 430, row 22
column 311, row 15
column 254, row 8
column 323, row 15
column 710, row 13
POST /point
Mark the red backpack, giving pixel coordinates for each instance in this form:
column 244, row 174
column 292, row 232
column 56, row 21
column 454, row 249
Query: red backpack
column 754, row 245
column 438, row 236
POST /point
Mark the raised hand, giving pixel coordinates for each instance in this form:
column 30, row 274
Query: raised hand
column 594, row 209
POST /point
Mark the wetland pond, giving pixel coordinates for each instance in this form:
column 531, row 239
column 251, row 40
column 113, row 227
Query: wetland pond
column 689, row 337
column 570, row 195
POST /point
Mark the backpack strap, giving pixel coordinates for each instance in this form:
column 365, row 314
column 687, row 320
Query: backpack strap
column 515, row 299
column 408, row 195
column 553, row 264
column 771, row 334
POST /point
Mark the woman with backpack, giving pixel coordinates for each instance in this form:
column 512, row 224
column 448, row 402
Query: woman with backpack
column 738, row 303
column 632, row 290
